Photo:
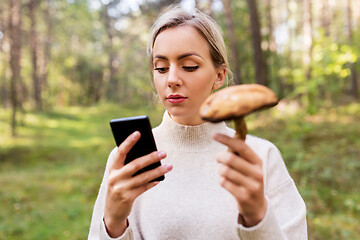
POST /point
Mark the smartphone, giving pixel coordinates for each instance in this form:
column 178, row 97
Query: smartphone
column 123, row 127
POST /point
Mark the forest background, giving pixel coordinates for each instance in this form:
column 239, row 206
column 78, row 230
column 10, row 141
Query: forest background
column 69, row 66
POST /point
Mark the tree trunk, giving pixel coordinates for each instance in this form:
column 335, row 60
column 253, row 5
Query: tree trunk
column 15, row 56
column 230, row 30
column 325, row 17
column 208, row 9
column 353, row 77
column 113, row 83
column 33, row 5
column 307, row 57
column 290, row 81
column 271, row 41
column 272, row 59
column 260, row 64
column 196, row 2
column 308, row 39
column 3, row 66
column 46, row 51
column 204, row 6
column 356, row 13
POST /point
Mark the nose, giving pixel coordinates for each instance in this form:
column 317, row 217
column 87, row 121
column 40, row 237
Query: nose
column 174, row 79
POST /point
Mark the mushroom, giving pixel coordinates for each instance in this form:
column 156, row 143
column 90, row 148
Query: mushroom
column 235, row 103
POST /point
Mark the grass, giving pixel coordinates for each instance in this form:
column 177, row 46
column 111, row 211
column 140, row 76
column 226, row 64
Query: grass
column 322, row 153
column 50, row 173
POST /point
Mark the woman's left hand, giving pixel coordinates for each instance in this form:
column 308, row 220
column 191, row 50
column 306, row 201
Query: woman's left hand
column 242, row 175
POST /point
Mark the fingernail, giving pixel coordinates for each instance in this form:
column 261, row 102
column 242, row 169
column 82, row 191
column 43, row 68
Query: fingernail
column 161, row 154
column 168, row 166
column 135, row 135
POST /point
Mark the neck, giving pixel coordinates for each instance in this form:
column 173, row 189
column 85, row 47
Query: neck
column 187, row 121
column 189, row 137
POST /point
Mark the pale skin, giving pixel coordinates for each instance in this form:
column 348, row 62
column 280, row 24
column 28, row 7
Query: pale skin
column 188, row 72
column 123, row 188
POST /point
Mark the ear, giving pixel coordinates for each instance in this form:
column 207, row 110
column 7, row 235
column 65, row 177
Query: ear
column 220, row 78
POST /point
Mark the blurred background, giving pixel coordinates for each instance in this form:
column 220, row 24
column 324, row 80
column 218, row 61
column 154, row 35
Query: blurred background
column 69, row 66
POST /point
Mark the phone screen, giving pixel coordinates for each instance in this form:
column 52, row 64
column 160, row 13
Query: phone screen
column 123, row 127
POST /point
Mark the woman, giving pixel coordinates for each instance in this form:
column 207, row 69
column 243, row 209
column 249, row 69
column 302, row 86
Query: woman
column 208, row 192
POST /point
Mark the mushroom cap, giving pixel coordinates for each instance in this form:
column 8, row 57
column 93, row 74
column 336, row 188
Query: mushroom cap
column 237, row 101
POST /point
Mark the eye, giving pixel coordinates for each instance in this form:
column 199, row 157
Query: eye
column 161, row 69
column 190, row 68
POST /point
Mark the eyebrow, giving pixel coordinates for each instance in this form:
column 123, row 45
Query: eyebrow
column 180, row 57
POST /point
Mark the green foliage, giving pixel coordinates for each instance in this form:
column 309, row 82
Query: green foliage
column 81, row 48
column 330, row 73
column 330, row 70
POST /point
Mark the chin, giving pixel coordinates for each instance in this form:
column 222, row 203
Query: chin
column 178, row 113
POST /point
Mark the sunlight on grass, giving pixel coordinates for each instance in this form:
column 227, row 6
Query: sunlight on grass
column 322, row 153
column 335, row 227
column 50, row 173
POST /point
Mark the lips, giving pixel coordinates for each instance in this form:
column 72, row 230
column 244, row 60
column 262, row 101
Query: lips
column 176, row 98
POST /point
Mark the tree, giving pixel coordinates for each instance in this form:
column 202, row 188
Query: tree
column 353, row 77
column 314, row 55
column 259, row 60
column 325, row 18
column 272, row 58
column 271, row 40
column 308, row 38
column 3, row 67
column 15, row 56
column 46, row 51
column 230, row 30
column 205, row 6
column 113, row 64
column 307, row 57
column 289, row 82
column 34, row 43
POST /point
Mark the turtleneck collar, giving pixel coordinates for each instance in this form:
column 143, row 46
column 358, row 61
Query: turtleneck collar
column 187, row 138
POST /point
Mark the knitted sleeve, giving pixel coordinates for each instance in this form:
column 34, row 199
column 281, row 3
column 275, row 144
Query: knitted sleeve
column 285, row 218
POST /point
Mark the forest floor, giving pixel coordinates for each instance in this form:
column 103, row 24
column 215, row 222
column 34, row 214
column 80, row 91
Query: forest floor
column 51, row 172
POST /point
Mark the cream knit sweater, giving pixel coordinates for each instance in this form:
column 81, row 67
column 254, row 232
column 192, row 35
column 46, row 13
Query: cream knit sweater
column 191, row 204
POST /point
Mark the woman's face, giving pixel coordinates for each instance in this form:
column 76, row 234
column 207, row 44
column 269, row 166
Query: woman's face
column 184, row 74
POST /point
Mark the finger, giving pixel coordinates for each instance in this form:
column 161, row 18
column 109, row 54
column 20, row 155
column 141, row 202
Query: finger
column 144, row 178
column 241, row 165
column 234, row 176
column 143, row 188
column 133, row 167
column 134, row 186
column 234, row 189
column 250, row 198
column 238, row 146
column 124, row 149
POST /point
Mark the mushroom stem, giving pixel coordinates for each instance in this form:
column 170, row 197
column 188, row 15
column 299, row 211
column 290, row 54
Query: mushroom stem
column 240, row 127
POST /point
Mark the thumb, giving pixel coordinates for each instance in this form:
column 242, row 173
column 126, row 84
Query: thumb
column 124, row 149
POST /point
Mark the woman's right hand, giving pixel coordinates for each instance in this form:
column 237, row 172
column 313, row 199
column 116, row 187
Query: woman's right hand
column 124, row 188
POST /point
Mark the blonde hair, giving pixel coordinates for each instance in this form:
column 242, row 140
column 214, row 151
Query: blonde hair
column 204, row 24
